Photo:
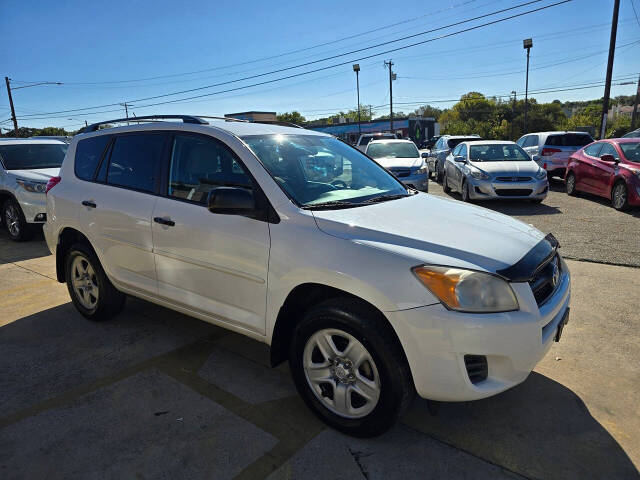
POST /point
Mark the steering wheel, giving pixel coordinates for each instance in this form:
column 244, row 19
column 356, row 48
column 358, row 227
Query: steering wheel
column 339, row 183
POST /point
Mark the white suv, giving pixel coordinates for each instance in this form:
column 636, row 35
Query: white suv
column 25, row 168
column 298, row 240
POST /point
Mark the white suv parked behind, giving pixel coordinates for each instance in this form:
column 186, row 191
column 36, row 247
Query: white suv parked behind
column 25, row 168
column 298, row 240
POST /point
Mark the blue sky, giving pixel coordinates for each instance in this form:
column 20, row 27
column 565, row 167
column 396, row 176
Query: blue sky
column 112, row 52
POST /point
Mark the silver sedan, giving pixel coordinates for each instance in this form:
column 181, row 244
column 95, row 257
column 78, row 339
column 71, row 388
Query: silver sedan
column 484, row 170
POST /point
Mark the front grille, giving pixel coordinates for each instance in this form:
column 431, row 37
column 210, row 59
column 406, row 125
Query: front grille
column 513, row 179
column 513, row 192
column 400, row 172
column 545, row 281
column 477, row 367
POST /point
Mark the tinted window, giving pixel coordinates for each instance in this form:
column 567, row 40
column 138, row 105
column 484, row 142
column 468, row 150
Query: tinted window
column 455, row 141
column 134, row 161
column 593, row 149
column 27, row 156
column 608, row 149
column 88, row 155
column 569, row 140
column 199, row 164
column 531, row 141
column 521, row 141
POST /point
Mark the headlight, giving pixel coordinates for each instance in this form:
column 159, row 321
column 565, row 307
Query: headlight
column 29, row 186
column 541, row 173
column 466, row 290
column 479, row 174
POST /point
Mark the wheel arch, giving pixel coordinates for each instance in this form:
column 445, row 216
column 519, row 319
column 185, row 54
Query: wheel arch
column 301, row 298
column 67, row 237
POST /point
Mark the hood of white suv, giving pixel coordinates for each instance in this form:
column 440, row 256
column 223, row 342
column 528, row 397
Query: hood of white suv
column 393, row 162
column 435, row 230
column 37, row 175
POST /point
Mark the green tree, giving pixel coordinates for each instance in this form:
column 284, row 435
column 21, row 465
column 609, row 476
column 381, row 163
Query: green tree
column 291, row 117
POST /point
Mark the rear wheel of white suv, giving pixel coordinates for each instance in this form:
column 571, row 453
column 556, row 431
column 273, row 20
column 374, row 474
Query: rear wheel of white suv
column 13, row 217
column 349, row 367
column 92, row 293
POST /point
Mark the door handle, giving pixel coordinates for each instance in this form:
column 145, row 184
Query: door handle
column 88, row 203
column 164, row 221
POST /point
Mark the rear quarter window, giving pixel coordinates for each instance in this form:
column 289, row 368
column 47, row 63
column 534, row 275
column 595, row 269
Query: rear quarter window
column 88, row 155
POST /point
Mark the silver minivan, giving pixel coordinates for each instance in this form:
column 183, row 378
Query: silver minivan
column 553, row 149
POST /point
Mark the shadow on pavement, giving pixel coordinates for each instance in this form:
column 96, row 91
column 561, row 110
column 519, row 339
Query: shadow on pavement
column 11, row 251
column 513, row 207
column 538, row 429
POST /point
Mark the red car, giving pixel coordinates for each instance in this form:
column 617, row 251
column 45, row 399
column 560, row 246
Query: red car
column 608, row 168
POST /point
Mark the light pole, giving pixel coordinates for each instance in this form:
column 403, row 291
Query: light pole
column 527, row 44
column 356, row 68
column 513, row 110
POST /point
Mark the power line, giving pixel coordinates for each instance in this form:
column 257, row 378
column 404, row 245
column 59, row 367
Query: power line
column 475, row 27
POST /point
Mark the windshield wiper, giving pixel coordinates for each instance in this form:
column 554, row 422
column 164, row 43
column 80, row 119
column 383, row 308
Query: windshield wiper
column 331, row 205
column 385, row 198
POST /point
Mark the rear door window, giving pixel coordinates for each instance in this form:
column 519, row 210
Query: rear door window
column 200, row 164
column 135, row 161
column 531, row 141
column 88, row 154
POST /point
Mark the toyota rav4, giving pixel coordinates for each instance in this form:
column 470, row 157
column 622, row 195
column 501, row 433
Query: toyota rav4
column 296, row 239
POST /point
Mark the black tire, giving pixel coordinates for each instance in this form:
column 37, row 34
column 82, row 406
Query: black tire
column 570, row 184
column 15, row 222
column 620, row 196
column 109, row 300
column 445, row 183
column 438, row 174
column 373, row 332
column 464, row 192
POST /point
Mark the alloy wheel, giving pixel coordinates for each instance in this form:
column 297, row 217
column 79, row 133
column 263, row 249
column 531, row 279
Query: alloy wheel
column 571, row 184
column 619, row 196
column 12, row 219
column 85, row 282
column 341, row 373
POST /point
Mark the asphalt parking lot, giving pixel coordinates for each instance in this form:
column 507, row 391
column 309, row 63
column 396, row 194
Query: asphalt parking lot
column 154, row 393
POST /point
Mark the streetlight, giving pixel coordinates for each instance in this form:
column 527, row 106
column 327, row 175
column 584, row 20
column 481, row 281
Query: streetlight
column 356, row 68
column 527, row 44
column 513, row 110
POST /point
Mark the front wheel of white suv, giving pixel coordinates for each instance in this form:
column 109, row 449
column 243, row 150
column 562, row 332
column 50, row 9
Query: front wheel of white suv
column 349, row 368
column 93, row 295
column 17, row 227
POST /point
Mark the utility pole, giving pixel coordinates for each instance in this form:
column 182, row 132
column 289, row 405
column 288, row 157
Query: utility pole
column 612, row 50
column 126, row 110
column 635, row 107
column 527, row 43
column 390, row 64
column 13, row 111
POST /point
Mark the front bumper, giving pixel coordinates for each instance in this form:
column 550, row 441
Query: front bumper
column 34, row 205
column 492, row 189
column 436, row 340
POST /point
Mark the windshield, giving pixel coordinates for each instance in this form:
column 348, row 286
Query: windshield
column 631, row 151
column 315, row 170
column 392, row 150
column 497, row 153
column 29, row 156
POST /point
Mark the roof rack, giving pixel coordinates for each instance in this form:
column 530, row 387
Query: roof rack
column 277, row 122
column 226, row 119
column 185, row 118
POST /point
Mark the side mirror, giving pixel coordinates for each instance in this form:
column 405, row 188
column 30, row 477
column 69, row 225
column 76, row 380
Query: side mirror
column 609, row 158
column 535, row 158
column 460, row 159
column 231, row 201
column 424, row 155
